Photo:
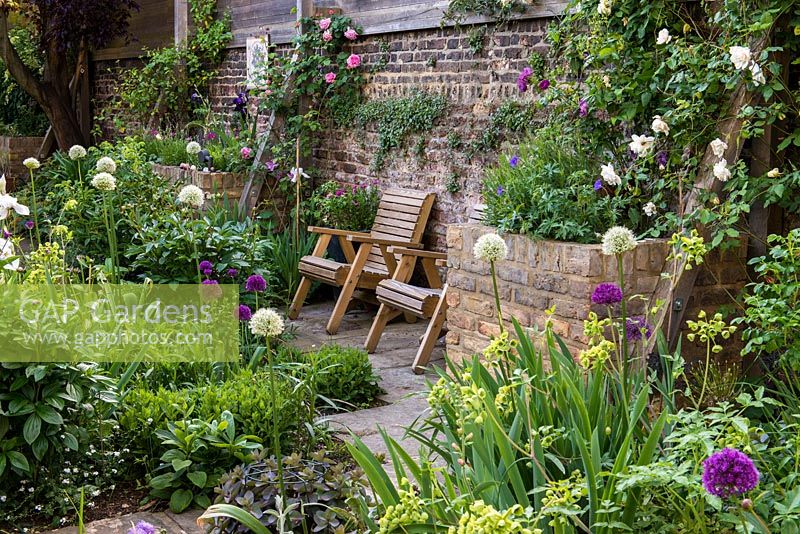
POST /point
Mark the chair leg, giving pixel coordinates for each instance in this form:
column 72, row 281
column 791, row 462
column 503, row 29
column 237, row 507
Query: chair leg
column 348, row 288
column 376, row 330
column 431, row 334
column 299, row 298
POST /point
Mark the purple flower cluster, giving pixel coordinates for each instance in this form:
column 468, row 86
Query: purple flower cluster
column 206, row 267
column 583, row 107
column 240, row 103
column 728, row 473
column 636, row 327
column 607, row 294
column 522, row 79
column 514, row 161
column 544, row 84
column 245, row 313
column 661, row 159
column 255, row 284
column 143, row 527
column 233, row 273
column 598, row 185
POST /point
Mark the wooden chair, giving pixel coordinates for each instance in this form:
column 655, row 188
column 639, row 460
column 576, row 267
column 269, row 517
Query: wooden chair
column 401, row 220
column 398, row 296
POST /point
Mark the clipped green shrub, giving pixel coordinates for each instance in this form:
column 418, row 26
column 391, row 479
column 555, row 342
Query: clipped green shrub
column 337, row 373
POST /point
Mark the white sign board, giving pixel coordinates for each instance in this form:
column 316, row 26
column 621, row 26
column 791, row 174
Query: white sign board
column 257, row 54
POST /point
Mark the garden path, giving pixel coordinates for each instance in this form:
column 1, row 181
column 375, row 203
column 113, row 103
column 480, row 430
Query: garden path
column 392, row 362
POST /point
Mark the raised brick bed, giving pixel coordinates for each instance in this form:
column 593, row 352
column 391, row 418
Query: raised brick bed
column 13, row 151
column 223, row 183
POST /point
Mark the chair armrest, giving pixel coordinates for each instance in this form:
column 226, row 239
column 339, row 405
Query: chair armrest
column 419, row 253
column 334, row 231
column 359, row 238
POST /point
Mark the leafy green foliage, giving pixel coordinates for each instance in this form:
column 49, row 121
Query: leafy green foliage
column 197, row 453
column 772, row 313
column 20, row 115
column 345, row 207
column 500, row 10
column 320, row 494
column 339, row 374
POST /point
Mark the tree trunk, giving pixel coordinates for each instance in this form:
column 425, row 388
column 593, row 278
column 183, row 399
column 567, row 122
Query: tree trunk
column 63, row 116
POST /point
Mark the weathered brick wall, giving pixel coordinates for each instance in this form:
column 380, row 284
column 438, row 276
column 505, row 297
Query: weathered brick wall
column 13, row 151
column 540, row 275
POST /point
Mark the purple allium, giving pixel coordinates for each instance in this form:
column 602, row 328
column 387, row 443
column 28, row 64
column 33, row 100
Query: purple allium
column 729, row 472
column 6, row 234
column 636, row 326
column 245, row 313
column 143, row 527
column 500, row 190
column 522, row 79
column 598, row 185
column 206, row 265
column 210, row 283
column 514, row 161
column 583, row 107
column 661, row 158
column 607, row 294
column 211, row 136
column 255, row 284
column 29, row 225
column 208, row 272
column 544, row 84
column 233, row 273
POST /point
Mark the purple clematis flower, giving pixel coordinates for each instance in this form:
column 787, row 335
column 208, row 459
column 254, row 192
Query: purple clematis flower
column 598, row 185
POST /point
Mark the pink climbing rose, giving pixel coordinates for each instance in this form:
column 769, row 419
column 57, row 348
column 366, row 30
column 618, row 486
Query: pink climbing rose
column 324, row 24
column 354, row 61
column 327, row 36
column 246, row 152
column 351, row 34
column 330, row 77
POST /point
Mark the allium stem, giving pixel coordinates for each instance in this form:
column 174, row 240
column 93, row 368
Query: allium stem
column 276, row 441
column 497, row 297
column 35, row 209
column 623, row 305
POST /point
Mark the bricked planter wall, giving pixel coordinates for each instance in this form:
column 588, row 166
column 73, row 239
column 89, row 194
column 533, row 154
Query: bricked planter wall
column 227, row 183
column 542, row 274
column 13, row 151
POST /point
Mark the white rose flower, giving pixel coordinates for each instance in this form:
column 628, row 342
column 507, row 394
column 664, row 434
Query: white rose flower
column 192, row 196
column 77, row 152
column 106, row 164
column 650, row 209
column 618, row 240
column 609, row 175
column 740, row 56
column 104, row 181
column 604, row 7
column 193, row 148
column 721, row 171
column 757, row 74
column 641, row 144
column 266, row 323
column 490, row 247
column 659, row 126
column 774, row 173
column 663, row 37
column 32, row 163
column 718, row 147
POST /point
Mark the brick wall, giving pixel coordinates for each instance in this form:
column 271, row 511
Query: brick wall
column 13, row 151
column 539, row 275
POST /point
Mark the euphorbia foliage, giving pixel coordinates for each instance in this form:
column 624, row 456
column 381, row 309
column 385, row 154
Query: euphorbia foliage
column 65, row 31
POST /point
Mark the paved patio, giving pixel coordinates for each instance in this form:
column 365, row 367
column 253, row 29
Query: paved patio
column 392, row 361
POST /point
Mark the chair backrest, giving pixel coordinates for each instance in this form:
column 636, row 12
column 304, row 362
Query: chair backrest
column 402, row 216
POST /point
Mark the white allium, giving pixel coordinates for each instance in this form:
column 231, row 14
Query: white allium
column 106, row 164
column 193, row 148
column 618, row 240
column 490, row 247
column 609, row 175
column 774, row 173
column 758, row 74
column 641, row 144
column 663, row 37
column 77, row 152
column 604, row 7
column 191, row 195
column 104, row 181
column 650, row 209
column 32, row 163
column 659, row 126
column 740, row 56
column 266, row 323
column 721, row 171
column 718, row 147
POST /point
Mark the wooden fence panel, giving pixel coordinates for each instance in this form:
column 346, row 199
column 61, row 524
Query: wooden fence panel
column 152, row 27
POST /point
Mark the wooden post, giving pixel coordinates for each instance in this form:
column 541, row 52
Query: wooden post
column 181, row 31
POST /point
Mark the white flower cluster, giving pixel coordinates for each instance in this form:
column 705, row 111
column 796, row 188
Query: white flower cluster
column 741, row 58
column 106, row 164
column 192, row 196
column 104, row 181
column 490, row 247
column 663, row 37
column 193, row 148
column 266, row 323
column 618, row 240
column 609, row 176
column 721, row 170
column 77, row 152
column 641, row 145
column 32, row 164
column 604, row 7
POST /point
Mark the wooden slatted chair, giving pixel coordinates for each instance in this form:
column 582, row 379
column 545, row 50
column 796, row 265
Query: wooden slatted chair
column 397, row 296
column 401, row 220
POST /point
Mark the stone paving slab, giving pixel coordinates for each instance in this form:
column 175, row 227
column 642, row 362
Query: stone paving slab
column 185, row 523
